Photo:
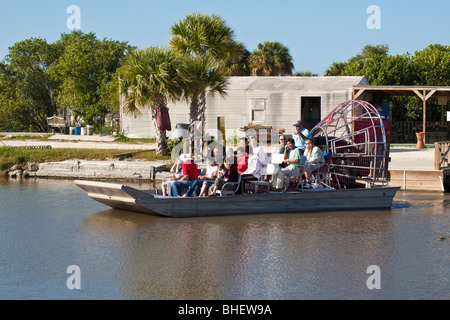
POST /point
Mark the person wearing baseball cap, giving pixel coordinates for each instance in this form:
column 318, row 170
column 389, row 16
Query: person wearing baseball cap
column 300, row 134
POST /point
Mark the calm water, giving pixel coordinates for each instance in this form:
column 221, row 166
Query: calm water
column 47, row 226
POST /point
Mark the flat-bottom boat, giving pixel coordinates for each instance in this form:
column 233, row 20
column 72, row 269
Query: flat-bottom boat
column 123, row 197
column 354, row 134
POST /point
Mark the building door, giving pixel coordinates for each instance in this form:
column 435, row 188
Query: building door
column 310, row 111
column 221, row 129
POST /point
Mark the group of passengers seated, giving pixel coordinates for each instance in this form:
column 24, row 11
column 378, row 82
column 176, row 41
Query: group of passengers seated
column 295, row 159
column 228, row 173
column 244, row 165
column 299, row 153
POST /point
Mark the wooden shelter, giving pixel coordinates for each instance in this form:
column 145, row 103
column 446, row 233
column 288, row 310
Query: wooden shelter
column 440, row 93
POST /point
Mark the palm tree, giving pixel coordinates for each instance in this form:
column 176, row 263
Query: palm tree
column 200, row 75
column 304, row 74
column 271, row 59
column 236, row 62
column 150, row 78
column 335, row 69
column 206, row 41
column 200, row 34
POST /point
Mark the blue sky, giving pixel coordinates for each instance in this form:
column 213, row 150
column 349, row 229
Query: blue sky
column 317, row 33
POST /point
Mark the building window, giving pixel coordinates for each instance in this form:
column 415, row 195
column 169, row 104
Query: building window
column 258, row 109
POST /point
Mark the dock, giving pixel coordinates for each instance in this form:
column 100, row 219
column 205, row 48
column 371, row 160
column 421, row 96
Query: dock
column 415, row 169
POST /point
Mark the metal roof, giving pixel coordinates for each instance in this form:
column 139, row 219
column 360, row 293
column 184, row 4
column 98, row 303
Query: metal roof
column 292, row 83
column 421, row 91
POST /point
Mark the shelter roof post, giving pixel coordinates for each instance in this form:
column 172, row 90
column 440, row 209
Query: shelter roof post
column 424, row 115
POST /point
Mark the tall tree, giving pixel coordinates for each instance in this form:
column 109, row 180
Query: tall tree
column 335, row 69
column 205, row 40
column 13, row 113
column 201, row 34
column 151, row 78
column 356, row 65
column 86, row 71
column 390, row 70
column 432, row 65
column 304, row 74
column 271, row 59
column 429, row 67
column 200, row 75
column 236, row 62
column 27, row 72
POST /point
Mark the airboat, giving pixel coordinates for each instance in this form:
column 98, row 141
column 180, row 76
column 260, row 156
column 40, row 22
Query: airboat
column 354, row 137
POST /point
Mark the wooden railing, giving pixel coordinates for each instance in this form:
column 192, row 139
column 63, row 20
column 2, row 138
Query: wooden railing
column 441, row 155
column 405, row 131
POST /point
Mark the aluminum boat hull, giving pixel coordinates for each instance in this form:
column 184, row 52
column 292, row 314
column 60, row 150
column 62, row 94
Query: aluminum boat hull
column 123, row 197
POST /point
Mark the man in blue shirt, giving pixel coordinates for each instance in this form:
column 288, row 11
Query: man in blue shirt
column 300, row 134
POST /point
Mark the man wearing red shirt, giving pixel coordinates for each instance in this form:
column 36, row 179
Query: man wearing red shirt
column 190, row 171
column 190, row 174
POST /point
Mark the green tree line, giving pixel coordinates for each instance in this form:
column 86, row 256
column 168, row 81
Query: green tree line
column 40, row 79
column 85, row 75
column 427, row 67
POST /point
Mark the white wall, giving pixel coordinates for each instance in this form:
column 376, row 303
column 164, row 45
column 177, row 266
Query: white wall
column 282, row 106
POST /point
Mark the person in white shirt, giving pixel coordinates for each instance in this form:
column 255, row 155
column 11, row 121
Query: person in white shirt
column 314, row 156
column 212, row 171
column 252, row 173
column 177, row 170
column 293, row 159
column 257, row 150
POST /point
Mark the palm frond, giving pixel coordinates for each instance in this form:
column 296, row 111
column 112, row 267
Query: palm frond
column 150, row 75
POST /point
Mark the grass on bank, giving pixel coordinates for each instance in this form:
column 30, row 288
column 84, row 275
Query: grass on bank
column 43, row 137
column 121, row 138
column 18, row 156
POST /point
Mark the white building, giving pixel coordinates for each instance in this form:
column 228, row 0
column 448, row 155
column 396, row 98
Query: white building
column 268, row 101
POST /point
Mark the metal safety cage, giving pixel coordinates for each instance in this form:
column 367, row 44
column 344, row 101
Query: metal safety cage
column 358, row 140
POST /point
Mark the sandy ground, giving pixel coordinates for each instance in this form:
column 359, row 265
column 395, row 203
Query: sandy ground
column 403, row 158
column 78, row 142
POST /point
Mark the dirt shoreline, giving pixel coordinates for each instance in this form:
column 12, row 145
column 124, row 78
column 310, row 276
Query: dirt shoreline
column 85, row 169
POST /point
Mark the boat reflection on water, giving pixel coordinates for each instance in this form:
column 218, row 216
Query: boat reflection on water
column 243, row 257
column 48, row 225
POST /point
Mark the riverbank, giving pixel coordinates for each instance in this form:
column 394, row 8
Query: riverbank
column 80, row 157
column 103, row 170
